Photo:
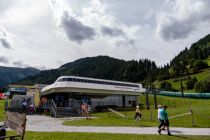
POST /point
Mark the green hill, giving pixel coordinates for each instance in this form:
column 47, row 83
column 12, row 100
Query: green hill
column 176, row 82
column 12, row 74
column 191, row 66
column 102, row 67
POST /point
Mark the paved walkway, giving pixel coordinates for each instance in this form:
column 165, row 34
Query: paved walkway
column 46, row 124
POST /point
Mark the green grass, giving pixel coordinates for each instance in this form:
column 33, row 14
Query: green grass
column 176, row 82
column 2, row 115
column 176, row 106
column 103, row 136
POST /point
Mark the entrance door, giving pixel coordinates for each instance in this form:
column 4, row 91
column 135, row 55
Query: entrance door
column 133, row 103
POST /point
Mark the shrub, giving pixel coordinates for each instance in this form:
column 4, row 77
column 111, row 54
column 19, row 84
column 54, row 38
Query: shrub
column 199, row 65
column 191, row 83
column 203, row 86
column 166, row 86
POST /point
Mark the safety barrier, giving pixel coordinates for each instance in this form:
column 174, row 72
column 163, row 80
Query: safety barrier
column 187, row 95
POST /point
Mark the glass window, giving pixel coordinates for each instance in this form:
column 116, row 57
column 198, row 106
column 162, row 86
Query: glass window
column 60, row 79
column 65, row 79
column 97, row 82
column 69, row 79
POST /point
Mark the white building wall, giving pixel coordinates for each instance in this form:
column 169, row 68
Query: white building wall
column 113, row 100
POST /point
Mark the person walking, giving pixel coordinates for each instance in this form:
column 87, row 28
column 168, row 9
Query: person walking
column 85, row 112
column 137, row 114
column 24, row 105
column 164, row 120
column 160, row 109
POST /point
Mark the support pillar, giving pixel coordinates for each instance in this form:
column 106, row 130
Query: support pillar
column 124, row 103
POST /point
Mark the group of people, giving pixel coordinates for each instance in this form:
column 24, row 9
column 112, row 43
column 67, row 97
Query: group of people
column 162, row 117
column 27, row 104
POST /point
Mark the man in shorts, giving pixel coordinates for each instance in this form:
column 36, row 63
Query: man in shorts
column 164, row 120
column 160, row 109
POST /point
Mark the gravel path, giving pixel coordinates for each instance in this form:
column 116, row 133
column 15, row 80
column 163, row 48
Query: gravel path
column 47, row 124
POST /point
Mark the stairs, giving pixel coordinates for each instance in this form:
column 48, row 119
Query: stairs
column 66, row 112
column 74, row 110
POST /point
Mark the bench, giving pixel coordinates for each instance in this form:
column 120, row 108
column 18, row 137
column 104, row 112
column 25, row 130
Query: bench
column 17, row 122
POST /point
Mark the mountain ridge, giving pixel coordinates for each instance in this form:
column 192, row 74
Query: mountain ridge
column 103, row 67
column 9, row 75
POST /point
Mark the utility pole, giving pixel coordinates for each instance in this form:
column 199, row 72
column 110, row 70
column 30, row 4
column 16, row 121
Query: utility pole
column 182, row 88
column 155, row 99
column 147, row 98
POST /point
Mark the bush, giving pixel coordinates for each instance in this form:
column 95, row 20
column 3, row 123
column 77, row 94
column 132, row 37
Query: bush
column 199, row 65
column 191, row 83
column 203, row 86
column 166, row 86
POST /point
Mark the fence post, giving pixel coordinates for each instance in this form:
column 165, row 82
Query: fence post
column 182, row 89
column 155, row 99
column 192, row 115
column 147, row 101
column 151, row 114
column 174, row 103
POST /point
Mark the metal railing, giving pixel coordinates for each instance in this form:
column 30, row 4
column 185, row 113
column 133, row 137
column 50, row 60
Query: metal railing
column 53, row 108
column 50, row 104
column 77, row 106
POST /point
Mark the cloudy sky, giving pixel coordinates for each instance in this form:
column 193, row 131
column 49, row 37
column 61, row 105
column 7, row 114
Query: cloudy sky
column 48, row 33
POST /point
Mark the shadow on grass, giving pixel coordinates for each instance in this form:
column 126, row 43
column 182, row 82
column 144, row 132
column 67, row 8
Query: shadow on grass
column 178, row 136
column 140, row 125
column 175, row 131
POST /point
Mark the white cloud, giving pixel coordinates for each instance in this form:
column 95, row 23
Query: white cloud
column 94, row 20
column 112, row 31
column 4, row 59
column 4, row 38
column 41, row 32
column 21, row 64
column 24, row 12
column 98, row 16
column 70, row 23
column 181, row 17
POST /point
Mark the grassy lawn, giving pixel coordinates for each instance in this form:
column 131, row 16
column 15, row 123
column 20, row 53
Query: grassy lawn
column 176, row 83
column 103, row 136
column 176, row 106
column 1, row 110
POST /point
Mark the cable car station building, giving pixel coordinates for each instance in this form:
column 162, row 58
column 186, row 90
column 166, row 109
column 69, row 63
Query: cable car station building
column 69, row 92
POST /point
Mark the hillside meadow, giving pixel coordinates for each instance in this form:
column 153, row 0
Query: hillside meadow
column 176, row 84
column 177, row 106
